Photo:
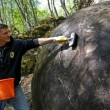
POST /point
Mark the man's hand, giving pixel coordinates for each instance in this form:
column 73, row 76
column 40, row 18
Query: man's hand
column 61, row 39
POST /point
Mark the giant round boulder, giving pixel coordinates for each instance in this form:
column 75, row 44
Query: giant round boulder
column 76, row 78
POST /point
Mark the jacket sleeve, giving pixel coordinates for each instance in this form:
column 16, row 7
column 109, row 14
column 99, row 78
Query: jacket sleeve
column 27, row 44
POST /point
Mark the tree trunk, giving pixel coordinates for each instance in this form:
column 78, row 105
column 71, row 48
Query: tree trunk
column 1, row 17
column 3, row 13
column 12, row 16
column 24, row 13
column 64, row 7
column 53, row 4
column 33, row 13
column 50, row 8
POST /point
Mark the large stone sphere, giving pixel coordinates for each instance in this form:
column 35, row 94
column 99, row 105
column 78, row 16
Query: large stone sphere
column 77, row 78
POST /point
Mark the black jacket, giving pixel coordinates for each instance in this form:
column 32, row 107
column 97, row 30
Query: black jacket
column 11, row 56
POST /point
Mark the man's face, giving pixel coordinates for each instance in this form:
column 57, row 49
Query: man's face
column 5, row 35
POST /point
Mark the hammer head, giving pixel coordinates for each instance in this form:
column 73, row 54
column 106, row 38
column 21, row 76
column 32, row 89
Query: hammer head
column 73, row 39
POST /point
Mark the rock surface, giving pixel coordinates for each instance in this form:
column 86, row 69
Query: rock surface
column 79, row 78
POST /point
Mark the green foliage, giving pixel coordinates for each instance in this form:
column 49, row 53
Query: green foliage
column 72, row 7
column 42, row 14
column 11, row 14
column 18, row 22
column 28, row 63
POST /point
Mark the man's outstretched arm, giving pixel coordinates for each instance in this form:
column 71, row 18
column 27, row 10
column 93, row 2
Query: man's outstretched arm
column 43, row 41
column 59, row 39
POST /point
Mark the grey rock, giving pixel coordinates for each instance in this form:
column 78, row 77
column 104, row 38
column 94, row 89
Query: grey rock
column 78, row 78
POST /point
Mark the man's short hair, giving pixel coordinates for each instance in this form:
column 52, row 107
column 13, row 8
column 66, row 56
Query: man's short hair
column 2, row 26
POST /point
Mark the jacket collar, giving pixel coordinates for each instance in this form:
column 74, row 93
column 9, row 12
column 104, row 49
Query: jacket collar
column 9, row 43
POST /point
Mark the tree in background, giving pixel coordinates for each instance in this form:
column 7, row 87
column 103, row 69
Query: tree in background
column 52, row 8
column 19, row 13
column 64, row 7
column 24, row 14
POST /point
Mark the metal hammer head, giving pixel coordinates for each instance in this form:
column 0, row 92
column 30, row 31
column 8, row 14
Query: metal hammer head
column 73, row 39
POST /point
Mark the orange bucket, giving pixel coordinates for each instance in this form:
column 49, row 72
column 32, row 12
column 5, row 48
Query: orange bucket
column 7, row 89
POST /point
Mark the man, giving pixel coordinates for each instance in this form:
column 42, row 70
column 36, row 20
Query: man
column 11, row 52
